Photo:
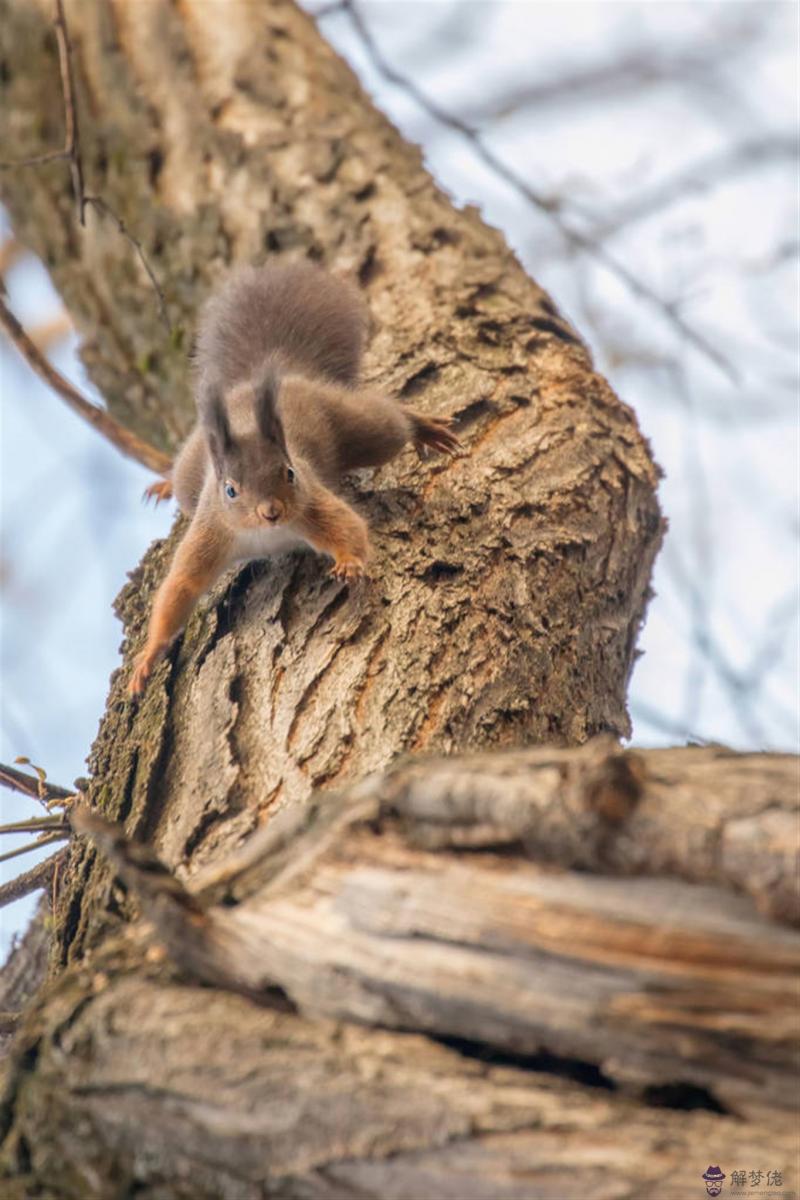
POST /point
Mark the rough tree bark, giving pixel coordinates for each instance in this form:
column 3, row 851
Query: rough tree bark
column 507, row 592
column 569, row 1018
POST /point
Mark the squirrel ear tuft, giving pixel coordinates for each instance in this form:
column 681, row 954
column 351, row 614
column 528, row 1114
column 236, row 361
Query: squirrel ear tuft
column 265, row 388
column 214, row 420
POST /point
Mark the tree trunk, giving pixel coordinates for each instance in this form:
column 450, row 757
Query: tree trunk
column 584, row 1035
column 506, row 594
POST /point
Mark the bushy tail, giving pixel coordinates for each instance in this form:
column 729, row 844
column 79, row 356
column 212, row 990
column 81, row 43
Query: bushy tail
column 312, row 322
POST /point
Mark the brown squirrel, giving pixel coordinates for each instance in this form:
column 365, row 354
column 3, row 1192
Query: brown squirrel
column 280, row 418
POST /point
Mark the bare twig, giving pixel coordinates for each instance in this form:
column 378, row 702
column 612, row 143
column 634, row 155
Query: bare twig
column 70, row 150
column 71, row 133
column 33, row 160
column 31, row 785
column 124, row 439
column 35, row 825
column 632, row 71
column 39, row 876
column 572, row 236
column 743, row 685
column 715, row 169
column 104, row 208
column 72, row 153
column 45, row 840
column 643, row 712
column 779, row 623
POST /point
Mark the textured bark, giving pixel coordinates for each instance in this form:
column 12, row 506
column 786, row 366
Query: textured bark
column 571, row 1019
column 274, row 1105
column 23, row 973
column 707, row 815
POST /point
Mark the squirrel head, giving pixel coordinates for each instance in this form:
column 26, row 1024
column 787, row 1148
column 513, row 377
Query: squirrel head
column 258, row 485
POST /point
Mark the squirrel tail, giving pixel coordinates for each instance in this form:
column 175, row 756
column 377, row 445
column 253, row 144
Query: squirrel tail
column 308, row 320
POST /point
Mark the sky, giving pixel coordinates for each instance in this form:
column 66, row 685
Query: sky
column 720, row 645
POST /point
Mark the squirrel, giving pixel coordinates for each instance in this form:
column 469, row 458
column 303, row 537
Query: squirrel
column 280, row 418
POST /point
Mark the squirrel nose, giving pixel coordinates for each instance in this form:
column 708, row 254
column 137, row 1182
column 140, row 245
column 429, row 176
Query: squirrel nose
column 270, row 510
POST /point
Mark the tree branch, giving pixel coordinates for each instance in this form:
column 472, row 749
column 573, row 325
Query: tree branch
column 413, row 901
column 34, row 786
column 40, row 876
column 103, row 207
column 72, row 153
column 636, row 69
column 700, row 176
column 71, row 132
column 572, row 236
column 128, row 443
column 44, row 840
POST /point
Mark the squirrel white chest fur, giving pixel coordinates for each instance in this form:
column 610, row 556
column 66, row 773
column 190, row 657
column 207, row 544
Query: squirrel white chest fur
column 263, row 543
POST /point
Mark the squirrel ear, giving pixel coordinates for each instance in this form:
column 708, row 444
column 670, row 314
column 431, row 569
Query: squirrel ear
column 266, row 387
column 214, row 420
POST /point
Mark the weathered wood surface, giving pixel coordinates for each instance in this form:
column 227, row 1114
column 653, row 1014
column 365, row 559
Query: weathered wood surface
column 23, row 973
column 402, row 997
column 654, row 981
column 274, row 1105
column 708, row 815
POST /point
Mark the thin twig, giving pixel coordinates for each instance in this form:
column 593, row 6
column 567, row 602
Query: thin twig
column 742, row 698
column 71, row 133
column 70, row 149
column 124, row 439
column 778, row 624
column 39, row 876
column 34, row 160
column 104, row 208
column 44, row 840
column 31, row 785
column 702, row 175
column 634, row 70
column 35, row 825
column 643, row 712
column 72, row 153
column 574, row 237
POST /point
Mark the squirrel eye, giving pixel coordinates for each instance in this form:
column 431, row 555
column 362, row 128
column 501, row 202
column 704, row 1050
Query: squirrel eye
column 230, row 491
column 290, row 475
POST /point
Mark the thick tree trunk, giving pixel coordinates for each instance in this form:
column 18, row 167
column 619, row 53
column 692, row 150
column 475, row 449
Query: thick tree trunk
column 507, row 591
column 570, row 1019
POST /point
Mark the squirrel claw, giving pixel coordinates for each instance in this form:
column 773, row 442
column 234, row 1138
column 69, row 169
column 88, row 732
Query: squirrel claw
column 158, row 491
column 141, row 673
column 436, row 433
column 348, row 569
column 142, row 670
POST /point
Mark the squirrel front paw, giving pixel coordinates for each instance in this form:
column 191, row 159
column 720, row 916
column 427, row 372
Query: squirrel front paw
column 349, row 568
column 158, row 491
column 143, row 669
column 434, row 432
